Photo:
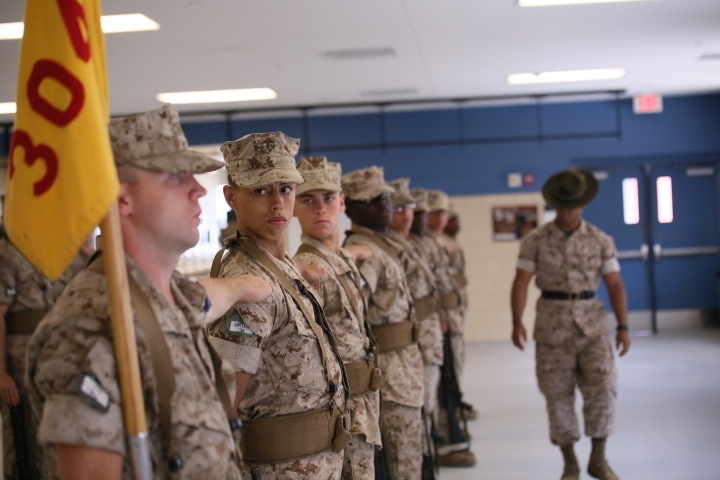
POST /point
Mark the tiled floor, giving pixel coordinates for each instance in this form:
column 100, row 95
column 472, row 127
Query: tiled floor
column 668, row 418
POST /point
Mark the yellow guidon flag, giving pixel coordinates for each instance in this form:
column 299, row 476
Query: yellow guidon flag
column 61, row 175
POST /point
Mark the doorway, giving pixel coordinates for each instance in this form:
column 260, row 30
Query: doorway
column 665, row 221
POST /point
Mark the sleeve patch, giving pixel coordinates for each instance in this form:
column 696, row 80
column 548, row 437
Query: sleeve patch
column 92, row 392
column 234, row 325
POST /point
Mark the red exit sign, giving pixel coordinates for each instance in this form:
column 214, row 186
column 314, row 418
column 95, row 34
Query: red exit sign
column 647, row 104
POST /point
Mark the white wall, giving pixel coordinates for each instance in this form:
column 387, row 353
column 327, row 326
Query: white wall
column 491, row 266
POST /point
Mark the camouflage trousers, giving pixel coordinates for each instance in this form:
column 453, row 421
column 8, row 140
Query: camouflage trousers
column 362, row 456
column 325, row 465
column 458, row 347
column 431, row 381
column 16, row 352
column 402, row 437
column 588, row 365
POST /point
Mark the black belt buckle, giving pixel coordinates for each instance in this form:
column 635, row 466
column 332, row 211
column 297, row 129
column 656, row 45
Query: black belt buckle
column 572, row 296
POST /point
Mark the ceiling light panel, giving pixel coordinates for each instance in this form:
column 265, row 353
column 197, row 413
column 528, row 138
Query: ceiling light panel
column 218, row 96
column 131, row 22
column 565, row 76
column 7, row 107
column 555, row 3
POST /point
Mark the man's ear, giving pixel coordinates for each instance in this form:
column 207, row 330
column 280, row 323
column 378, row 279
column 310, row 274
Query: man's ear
column 125, row 203
column 229, row 194
column 342, row 202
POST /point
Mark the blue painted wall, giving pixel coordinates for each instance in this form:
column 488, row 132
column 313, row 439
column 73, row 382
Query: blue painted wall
column 470, row 150
column 467, row 151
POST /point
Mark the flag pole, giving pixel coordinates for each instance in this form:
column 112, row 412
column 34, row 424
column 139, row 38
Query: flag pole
column 126, row 357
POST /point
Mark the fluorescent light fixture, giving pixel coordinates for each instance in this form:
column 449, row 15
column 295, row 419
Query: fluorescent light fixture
column 11, row 31
column 216, row 96
column 131, row 22
column 566, row 76
column 7, row 107
column 554, row 3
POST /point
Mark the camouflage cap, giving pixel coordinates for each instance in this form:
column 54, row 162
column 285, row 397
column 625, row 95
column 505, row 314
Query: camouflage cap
column 259, row 159
column 438, row 200
column 421, row 199
column 401, row 196
column 155, row 141
column 365, row 183
column 319, row 174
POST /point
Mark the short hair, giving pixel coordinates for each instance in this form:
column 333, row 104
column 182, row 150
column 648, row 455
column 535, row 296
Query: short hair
column 127, row 174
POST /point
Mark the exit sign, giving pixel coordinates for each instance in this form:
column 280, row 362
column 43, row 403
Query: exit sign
column 647, row 104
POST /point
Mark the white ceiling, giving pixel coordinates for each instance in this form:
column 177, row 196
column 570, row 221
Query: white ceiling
column 443, row 49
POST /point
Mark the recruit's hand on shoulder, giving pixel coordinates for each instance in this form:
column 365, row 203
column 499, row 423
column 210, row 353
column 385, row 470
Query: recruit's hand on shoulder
column 310, row 272
column 359, row 252
column 226, row 292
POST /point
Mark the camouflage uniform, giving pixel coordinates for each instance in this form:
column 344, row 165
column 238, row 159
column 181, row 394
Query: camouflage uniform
column 422, row 283
column 273, row 341
column 353, row 344
column 24, row 288
column 456, row 263
column 454, row 315
column 75, row 340
column 572, row 343
column 402, row 395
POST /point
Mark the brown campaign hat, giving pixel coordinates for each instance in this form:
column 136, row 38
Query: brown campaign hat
column 319, row 174
column 365, row 183
column 154, row 140
column 259, row 159
column 438, row 200
column 570, row 188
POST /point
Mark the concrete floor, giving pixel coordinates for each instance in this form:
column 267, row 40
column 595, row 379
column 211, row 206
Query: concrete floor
column 668, row 418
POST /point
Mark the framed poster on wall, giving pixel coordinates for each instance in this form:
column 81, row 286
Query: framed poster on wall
column 513, row 222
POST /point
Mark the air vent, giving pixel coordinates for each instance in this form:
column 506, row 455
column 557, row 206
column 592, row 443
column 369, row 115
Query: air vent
column 358, row 53
column 709, row 56
column 389, row 92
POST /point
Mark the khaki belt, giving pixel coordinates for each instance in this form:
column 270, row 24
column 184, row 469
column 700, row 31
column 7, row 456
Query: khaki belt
column 24, row 322
column 425, row 306
column 286, row 437
column 450, row 300
column 461, row 280
column 394, row 336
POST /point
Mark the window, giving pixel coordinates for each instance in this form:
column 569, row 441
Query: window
column 631, row 202
column 664, row 200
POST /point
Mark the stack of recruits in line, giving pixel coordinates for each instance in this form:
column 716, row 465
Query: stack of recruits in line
column 342, row 362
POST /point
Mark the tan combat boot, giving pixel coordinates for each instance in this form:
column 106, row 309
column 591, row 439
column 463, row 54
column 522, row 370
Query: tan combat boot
column 598, row 466
column 463, row 458
column 571, row 471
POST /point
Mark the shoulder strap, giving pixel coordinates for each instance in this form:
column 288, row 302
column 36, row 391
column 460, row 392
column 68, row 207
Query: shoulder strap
column 249, row 248
column 352, row 296
column 377, row 240
column 162, row 361
column 385, row 246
